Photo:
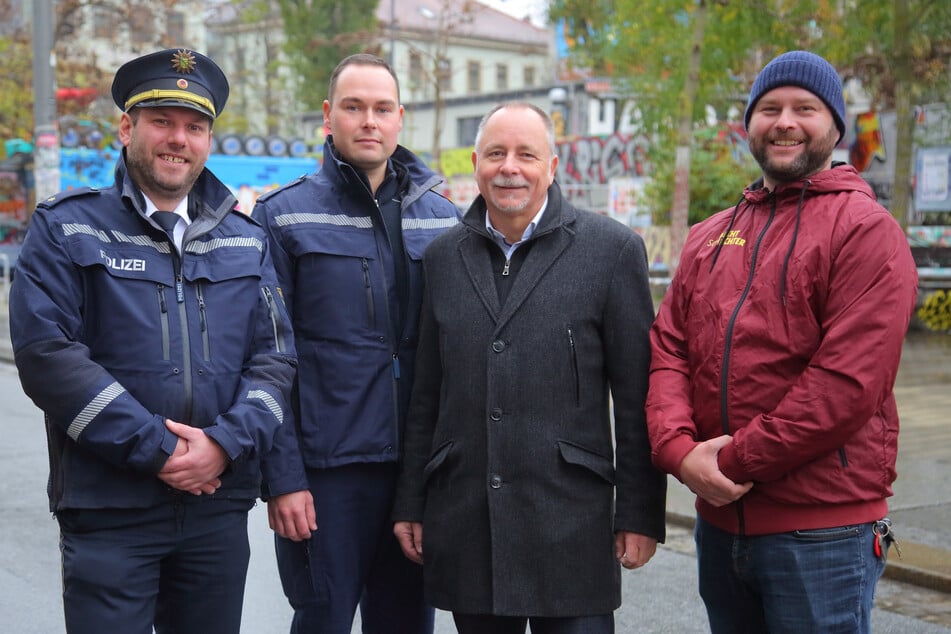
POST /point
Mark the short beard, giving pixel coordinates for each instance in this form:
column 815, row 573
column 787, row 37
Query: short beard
column 814, row 157
column 144, row 176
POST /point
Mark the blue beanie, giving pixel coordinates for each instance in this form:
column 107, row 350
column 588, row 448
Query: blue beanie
column 806, row 70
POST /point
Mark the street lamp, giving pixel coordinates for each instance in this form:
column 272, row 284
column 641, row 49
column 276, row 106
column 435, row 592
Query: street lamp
column 45, row 136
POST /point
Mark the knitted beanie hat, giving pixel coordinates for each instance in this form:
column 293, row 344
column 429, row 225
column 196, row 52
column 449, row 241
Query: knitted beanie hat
column 805, row 70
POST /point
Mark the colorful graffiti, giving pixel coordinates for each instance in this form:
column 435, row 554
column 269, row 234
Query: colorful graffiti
column 868, row 142
column 595, row 160
column 246, row 176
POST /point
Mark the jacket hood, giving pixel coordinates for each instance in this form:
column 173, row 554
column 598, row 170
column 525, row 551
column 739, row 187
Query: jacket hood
column 841, row 177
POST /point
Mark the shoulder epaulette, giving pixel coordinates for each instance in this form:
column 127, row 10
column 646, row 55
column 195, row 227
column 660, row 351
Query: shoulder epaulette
column 246, row 215
column 56, row 199
column 294, row 183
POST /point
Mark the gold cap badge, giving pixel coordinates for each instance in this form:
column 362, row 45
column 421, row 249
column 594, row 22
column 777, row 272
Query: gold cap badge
column 183, row 61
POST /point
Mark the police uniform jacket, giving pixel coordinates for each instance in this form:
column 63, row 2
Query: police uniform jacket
column 509, row 458
column 113, row 332
column 334, row 261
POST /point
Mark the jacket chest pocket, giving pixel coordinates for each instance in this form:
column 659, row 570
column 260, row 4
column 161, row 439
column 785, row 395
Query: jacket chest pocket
column 123, row 261
column 340, row 278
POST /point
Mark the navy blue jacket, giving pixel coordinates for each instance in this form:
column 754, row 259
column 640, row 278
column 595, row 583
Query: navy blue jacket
column 334, row 261
column 113, row 333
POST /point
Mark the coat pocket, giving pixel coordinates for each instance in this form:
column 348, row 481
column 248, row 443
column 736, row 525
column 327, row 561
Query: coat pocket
column 599, row 465
column 438, row 458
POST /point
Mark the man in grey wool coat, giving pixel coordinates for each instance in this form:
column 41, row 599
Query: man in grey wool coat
column 535, row 317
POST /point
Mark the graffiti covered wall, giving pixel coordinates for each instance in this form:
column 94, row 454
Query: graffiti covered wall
column 246, row 176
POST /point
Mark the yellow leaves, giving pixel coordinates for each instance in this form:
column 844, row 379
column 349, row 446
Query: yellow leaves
column 935, row 312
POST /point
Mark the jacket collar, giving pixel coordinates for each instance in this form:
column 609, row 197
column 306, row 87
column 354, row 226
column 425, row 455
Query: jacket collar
column 421, row 177
column 554, row 234
column 557, row 214
column 213, row 199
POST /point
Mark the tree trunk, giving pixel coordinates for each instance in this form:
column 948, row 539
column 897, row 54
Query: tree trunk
column 680, row 206
column 904, row 116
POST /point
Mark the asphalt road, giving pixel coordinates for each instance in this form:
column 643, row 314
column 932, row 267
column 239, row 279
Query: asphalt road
column 658, row 598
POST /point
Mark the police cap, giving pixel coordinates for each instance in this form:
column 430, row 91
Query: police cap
column 173, row 77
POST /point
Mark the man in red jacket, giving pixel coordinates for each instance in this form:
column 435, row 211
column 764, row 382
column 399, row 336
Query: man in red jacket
column 775, row 353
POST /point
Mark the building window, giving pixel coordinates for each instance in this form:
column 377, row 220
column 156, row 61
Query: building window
column 529, row 76
column 466, row 128
column 501, row 77
column 444, row 74
column 474, row 77
column 103, row 24
column 142, row 26
column 416, row 75
column 175, row 26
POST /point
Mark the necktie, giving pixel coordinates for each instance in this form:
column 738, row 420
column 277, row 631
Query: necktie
column 167, row 220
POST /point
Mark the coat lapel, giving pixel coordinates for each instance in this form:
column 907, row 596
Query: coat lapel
column 551, row 238
column 545, row 251
column 478, row 265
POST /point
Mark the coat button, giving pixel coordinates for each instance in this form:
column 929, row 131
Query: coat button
column 498, row 345
column 495, row 482
column 496, row 414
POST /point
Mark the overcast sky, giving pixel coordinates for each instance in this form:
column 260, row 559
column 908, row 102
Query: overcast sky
column 521, row 8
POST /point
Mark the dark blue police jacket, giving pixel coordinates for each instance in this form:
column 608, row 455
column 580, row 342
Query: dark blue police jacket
column 113, row 332
column 334, row 262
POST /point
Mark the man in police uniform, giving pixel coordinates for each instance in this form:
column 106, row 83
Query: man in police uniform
column 147, row 325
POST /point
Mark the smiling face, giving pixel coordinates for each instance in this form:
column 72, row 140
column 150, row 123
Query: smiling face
column 791, row 134
column 166, row 150
column 514, row 164
column 365, row 118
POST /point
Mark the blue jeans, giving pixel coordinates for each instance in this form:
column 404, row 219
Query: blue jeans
column 804, row 581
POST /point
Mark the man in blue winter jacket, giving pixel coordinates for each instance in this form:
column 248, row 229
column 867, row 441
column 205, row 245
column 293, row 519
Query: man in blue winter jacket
column 147, row 325
column 347, row 244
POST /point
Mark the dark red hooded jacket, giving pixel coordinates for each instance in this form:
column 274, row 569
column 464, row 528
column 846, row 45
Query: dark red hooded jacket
column 783, row 328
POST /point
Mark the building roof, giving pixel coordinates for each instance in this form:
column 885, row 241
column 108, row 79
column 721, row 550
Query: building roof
column 466, row 18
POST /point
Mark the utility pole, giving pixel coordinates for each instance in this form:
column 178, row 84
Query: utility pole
column 46, row 133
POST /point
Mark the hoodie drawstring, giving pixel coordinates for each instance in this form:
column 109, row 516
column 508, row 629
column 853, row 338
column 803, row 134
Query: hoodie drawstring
column 792, row 243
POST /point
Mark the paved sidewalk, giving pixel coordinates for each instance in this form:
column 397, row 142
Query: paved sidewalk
column 921, row 507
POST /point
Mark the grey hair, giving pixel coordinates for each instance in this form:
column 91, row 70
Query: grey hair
column 549, row 125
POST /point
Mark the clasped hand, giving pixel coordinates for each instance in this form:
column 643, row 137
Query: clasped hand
column 701, row 473
column 196, row 463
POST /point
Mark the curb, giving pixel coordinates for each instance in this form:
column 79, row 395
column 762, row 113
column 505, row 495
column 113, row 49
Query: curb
column 919, row 564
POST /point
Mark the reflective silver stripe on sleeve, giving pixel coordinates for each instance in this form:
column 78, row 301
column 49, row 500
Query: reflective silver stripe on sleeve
column 207, row 246
column 428, row 223
column 337, row 220
column 93, row 409
column 270, row 403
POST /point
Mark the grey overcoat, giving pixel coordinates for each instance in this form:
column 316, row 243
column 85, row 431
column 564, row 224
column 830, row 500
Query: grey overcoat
column 508, row 454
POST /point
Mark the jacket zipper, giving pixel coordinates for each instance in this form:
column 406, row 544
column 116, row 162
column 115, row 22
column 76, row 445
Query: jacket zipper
column 163, row 318
column 368, row 289
column 396, row 337
column 725, row 371
column 203, row 320
column 574, row 365
column 276, row 323
column 186, row 343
